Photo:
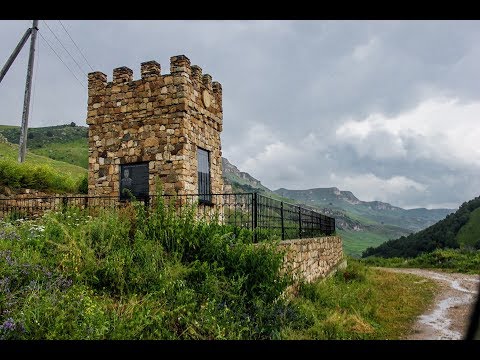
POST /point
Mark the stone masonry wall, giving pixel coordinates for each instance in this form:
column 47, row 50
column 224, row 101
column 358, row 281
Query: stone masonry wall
column 159, row 119
column 313, row 258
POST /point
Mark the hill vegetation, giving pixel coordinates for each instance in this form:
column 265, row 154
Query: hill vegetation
column 469, row 234
column 125, row 274
column 457, row 230
column 39, row 172
column 452, row 260
column 67, row 143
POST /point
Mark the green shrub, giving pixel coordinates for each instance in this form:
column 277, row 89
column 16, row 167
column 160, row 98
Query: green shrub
column 458, row 260
column 83, row 185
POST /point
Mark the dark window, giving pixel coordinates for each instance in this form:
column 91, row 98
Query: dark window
column 134, row 181
column 204, row 191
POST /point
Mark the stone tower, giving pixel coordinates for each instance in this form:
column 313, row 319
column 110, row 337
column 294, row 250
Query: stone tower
column 162, row 128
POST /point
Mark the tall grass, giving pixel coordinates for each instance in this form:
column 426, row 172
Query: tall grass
column 359, row 303
column 36, row 176
column 10, row 152
column 138, row 274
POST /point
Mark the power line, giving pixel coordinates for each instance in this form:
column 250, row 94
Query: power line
column 62, row 61
column 65, row 48
column 76, row 45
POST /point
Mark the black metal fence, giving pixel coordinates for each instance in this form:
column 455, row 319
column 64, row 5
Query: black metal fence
column 243, row 210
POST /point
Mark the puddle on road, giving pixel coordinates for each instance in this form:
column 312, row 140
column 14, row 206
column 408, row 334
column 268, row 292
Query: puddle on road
column 454, row 284
column 438, row 319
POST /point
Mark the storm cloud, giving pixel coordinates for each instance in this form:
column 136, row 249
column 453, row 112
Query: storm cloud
column 385, row 109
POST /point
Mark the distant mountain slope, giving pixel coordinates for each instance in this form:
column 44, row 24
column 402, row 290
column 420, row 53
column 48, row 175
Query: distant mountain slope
column 361, row 224
column 240, row 179
column 375, row 211
column 461, row 228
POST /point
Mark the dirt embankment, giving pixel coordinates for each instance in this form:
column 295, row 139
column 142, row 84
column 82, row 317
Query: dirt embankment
column 448, row 317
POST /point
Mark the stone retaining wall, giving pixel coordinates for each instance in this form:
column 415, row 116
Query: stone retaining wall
column 313, row 258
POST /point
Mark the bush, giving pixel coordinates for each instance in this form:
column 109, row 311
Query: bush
column 83, row 185
column 458, row 260
column 355, row 271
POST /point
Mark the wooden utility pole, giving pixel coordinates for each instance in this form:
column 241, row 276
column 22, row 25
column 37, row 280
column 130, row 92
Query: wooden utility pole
column 12, row 57
column 22, row 148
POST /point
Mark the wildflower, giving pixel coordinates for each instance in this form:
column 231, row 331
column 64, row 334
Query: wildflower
column 9, row 324
column 5, row 285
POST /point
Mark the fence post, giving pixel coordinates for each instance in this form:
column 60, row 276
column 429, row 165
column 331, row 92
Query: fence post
column 255, row 216
column 299, row 222
column 146, row 202
column 283, row 224
column 64, row 203
column 312, row 225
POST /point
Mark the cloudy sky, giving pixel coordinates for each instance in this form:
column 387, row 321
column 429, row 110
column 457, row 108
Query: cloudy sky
column 389, row 110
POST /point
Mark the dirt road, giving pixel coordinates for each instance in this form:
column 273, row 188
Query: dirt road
column 448, row 317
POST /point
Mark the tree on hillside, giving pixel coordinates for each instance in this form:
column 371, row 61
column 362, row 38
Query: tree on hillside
column 441, row 235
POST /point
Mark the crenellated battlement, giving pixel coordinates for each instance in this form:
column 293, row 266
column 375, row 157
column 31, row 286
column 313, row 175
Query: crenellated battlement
column 184, row 88
column 179, row 66
column 149, row 69
column 159, row 119
column 122, row 75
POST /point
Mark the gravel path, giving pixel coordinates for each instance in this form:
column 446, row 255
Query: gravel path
column 448, row 317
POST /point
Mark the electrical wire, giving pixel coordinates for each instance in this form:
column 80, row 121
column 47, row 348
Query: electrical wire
column 76, row 63
column 61, row 60
column 76, row 45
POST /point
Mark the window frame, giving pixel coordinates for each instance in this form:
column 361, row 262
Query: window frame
column 121, row 168
column 204, row 199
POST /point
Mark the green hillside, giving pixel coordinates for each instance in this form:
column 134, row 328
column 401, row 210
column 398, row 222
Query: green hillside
column 364, row 224
column 65, row 143
column 10, row 152
column 41, row 136
column 469, row 234
column 355, row 242
column 460, row 229
column 72, row 152
column 38, row 172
